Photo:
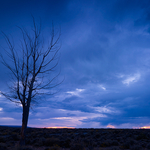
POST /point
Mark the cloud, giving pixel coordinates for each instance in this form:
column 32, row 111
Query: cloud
column 77, row 92
column 68, row 118
column 105, row 110
column 71, row 121
column 102, row 87
column 131, row 79
column 6, row 118
column 104, row 58
column 110, row 126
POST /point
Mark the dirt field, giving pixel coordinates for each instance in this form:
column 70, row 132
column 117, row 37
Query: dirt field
column 76, row 139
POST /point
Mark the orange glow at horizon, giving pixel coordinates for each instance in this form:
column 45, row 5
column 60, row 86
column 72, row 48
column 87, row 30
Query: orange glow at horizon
column 60, row 127
column 145, row 127
column 110, row 126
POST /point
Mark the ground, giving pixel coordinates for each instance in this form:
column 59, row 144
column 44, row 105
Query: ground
column 75, row 139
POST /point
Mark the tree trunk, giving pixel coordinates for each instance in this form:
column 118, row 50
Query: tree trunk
column 25, row 116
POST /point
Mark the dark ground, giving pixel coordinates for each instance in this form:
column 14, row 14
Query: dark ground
column 76, row 139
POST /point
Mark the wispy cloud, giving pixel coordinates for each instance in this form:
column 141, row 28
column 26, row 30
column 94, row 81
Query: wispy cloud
column 131, row 79
column 105, row 109
column 77, row 92
column 102, row 87
column 7, row 118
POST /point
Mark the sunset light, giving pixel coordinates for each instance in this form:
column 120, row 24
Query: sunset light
column 60, row 127
column 145, row 127
column 110, row 126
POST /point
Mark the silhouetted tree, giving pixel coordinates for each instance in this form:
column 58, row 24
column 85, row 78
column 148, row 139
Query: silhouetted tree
column 31, row 67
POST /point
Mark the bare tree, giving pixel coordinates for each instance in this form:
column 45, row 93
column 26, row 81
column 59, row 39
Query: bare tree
column 31, row 71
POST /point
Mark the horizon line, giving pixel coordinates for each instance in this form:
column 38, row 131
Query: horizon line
column 57, row 127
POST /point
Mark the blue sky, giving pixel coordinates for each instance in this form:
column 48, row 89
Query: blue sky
column 105, row 59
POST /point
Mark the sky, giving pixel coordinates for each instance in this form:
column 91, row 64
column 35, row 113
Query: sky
column 104, row 59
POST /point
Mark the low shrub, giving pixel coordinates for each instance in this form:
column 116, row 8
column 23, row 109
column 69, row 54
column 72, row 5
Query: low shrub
column 15, row 137
column 136, row 147
column 148, row 146
column 3, row 146
column 2, row 140
column 106, row 143
column 141, row 136
column 115, row 143
column 38, row 142
column 114, row 148
column 77, row 146
column 65, row 143
column 53, row 148
column 18, row 147
column 51, row 142
column 128, row 143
